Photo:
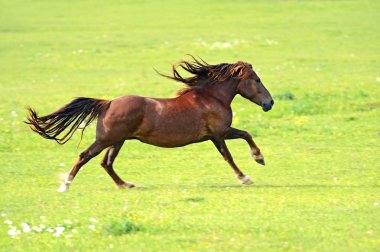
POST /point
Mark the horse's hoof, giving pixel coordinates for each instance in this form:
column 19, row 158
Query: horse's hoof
column 245, row 180
column 259, row 159
column 63, row 188
column 126, row 185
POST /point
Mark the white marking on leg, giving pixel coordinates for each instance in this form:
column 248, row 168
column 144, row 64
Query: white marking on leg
column 65, row 185
column 127, row 185
column 246, row 180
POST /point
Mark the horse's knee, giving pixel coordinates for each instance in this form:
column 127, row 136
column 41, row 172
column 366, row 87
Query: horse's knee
column 103, row 164
column 106, row 165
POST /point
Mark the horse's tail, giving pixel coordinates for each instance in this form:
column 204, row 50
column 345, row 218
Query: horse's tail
column 75, row 113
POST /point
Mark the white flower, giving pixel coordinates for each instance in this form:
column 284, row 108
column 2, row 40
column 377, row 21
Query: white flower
column 233, row 113
column 74, row 231
column 62, row 164
column 42, row 217
column 60, row 229
column 9, row 222
column 14, row 113
column 3, row 214
column 50, row 230
column 57, row 234
column 37, row 229
column 376, row 203
column 92, row 227
column 93, row 220
column 110, row 246
column 26, row 229
column 12, row 232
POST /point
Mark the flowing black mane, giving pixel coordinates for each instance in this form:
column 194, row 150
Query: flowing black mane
column 204, row 73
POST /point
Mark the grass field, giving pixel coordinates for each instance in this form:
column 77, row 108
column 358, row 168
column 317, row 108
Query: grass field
column 319, row 190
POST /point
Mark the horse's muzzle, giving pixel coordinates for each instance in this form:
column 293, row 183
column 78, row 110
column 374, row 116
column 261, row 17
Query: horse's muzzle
column 267, row 105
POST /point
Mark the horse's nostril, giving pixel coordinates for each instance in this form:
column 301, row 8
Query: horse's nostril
column 272, row 102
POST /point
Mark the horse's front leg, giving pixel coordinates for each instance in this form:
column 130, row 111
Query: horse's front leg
column 222, row 148
column 233, row 133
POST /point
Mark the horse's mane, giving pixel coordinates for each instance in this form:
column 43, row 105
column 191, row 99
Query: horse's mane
column 204, row 73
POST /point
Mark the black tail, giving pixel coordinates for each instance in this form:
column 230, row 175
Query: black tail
column 76, row 112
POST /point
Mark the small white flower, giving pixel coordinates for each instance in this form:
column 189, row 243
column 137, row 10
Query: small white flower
column 376, row 203
column 110, row 246
column 9, row 222
column 233, row 113
column 26, row 229
column 68, row 236
column 37, row 229
column 42, row 226
column 62, row 164
column 14, row 113
column 92, row 227
column 50, row 230
column 3, row 214
column 12, row 232
column 42, row 217
column 93, row 220
column 242, row 109
column 170, row 192
column 60, row 229
column 74, row 231
column 57, row 234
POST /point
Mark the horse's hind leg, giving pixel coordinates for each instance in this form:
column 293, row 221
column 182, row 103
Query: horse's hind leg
column 84, row 157
column 107, row 164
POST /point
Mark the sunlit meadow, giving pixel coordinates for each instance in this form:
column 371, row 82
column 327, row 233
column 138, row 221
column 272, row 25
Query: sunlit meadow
column 319, row 190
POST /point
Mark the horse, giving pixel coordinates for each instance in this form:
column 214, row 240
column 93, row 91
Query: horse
column 201, row 111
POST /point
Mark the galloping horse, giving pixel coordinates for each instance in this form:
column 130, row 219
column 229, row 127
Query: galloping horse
column 200, row 112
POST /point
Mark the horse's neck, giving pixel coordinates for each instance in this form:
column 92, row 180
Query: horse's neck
column 225, row 92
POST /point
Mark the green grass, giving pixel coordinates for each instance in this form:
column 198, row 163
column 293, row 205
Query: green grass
column 320, row 188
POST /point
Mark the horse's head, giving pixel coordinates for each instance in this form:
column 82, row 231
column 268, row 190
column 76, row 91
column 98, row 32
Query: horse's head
column 251, row 88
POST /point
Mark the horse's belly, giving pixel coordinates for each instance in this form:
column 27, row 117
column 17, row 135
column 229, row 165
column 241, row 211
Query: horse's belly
column 169, row 139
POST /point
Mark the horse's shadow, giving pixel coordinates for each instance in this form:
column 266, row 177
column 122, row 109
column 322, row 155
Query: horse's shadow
column 252, row 187
column 287, row 186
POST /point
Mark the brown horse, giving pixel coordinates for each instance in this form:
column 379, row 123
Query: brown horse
column 200, row 112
